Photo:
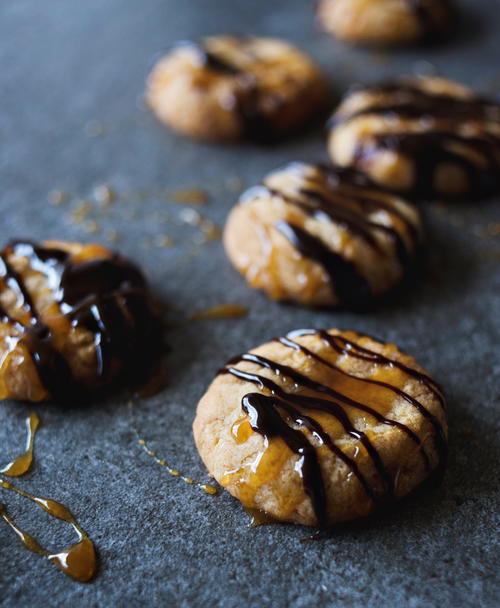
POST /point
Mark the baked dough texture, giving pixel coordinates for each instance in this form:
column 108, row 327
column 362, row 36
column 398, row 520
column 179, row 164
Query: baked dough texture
column 385, row 22
column 321, row 427
column 424, row 137
column 227, row 88
column 322, row 236
column 74, row 319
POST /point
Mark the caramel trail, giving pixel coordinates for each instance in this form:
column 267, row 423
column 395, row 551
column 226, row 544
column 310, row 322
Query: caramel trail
column 78, row 561
column 272, row 412
column 206, row 487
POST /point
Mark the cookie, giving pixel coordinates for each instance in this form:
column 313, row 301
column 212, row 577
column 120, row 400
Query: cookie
column 385, row 22
column 227, row 88
column 322, row 236
column 321, row 427
column 74, row 319
column 422, row 137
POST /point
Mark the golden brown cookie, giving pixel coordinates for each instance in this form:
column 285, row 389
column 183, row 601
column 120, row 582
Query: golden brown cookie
column 74, row 319
column 423, row 137
column 226, row 88
column 322, row 236
column 321, row 427
column 385, row 22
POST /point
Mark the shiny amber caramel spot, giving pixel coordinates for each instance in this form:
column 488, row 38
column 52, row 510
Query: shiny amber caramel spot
column 246, row 482
column 222, row 311
column 241, row 430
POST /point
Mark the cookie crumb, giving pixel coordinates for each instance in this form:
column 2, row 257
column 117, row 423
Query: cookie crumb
column 58, row 197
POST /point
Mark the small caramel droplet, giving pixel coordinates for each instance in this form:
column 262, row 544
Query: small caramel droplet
column 188, row 195
column 222, row 311
column 209, row 489
column 241, row 430
column 259, row 518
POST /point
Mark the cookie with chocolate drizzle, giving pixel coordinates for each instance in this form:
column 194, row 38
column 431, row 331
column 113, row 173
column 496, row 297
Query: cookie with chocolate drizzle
column 321, row 427
column 424, row 137
column 385, row 22
column 322, row 236
column 226, row 88
column 74, row 319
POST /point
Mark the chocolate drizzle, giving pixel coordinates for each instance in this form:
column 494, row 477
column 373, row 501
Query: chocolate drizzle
column 106, row 296
column 350, row 286
column 273, row 411
column 446, row 143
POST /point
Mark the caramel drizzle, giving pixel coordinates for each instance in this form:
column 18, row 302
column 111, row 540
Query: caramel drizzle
column 78, row 561
column 429, row 149
column 22, row 463
column 108, row 297
column 271, row 415
column 206, row 487
column 328, row 201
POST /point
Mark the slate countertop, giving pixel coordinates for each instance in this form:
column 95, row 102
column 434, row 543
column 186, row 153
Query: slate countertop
column 72, row 118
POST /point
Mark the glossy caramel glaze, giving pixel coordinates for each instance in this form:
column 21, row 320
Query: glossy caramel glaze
column 73, row 320
column 298, row 414
column 432, row 129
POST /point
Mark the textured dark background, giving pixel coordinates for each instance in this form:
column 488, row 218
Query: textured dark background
column 71, row 117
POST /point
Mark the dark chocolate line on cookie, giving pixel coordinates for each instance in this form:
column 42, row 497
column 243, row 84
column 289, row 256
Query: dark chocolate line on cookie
column 351, row 288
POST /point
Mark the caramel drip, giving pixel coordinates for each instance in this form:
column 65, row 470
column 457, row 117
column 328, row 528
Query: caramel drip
column 206, row 487
column 22, row 463
column 221, row 311
column 106, row 296
column 430, row 149
column 78, row 561
column 258, row 518
column 273, row 413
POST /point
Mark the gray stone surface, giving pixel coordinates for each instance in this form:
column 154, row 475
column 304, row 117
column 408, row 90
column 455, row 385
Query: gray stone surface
column 66, row 65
